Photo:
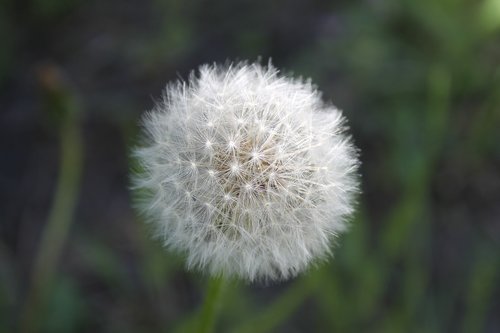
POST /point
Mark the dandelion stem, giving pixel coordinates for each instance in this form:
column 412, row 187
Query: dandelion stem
column 269, row 319
column 210, row 306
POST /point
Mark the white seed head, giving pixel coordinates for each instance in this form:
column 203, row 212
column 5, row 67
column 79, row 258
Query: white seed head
column 246, row 171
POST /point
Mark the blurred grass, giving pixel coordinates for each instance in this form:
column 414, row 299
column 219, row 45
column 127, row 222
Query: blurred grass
column 420, row 84
column 60, row 101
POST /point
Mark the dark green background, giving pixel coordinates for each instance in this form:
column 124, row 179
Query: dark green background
column 419, row 81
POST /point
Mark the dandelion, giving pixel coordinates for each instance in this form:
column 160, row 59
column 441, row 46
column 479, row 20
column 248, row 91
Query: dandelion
column 247, row 172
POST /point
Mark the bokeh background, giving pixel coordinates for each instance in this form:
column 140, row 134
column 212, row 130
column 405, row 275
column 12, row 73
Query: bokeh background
column 419, row 81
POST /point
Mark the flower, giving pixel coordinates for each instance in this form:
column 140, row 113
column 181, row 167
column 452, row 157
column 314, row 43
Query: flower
column 246, row 171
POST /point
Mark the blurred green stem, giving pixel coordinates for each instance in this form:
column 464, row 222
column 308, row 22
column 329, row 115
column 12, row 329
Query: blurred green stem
column 210, row 305
column 60, row 217
column 269, row 319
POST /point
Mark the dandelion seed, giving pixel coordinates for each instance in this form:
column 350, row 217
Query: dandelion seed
column 269, row 191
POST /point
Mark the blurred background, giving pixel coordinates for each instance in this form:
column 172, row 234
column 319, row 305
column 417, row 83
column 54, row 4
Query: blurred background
column 419, row 81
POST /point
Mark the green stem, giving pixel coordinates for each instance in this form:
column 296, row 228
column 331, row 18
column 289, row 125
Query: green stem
column 269, row 319
column 58, row 224
column 210, row 305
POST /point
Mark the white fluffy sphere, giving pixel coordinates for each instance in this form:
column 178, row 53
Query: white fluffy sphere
column 246, row 171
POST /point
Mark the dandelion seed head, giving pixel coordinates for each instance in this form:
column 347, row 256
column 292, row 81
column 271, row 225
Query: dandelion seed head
column 267, row 171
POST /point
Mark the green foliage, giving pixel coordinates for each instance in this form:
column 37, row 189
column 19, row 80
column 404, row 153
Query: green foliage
column 66, row 310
